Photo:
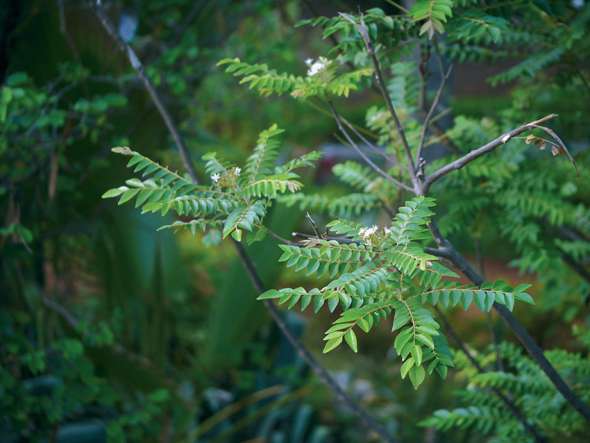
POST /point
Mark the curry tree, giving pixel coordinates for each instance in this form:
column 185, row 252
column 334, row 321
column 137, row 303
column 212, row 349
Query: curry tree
column 405, row 270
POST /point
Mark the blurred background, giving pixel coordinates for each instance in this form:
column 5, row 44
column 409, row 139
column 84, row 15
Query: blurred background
column 111, row 331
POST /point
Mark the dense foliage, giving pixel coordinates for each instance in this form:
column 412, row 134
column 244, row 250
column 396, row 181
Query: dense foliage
column 140, row 348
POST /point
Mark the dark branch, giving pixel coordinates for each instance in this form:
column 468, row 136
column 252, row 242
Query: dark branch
column 319, row 370
column 448, row 251
column 137, row 66
column 476, row 153
column 505, row 399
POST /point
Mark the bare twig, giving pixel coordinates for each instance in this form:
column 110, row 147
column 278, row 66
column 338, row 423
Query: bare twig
column 328, row 237
column 476, row 153
column 140, row 71
column 370, row 145
column 360, row 152
column 559, row 142
column 428, row 117
column 280, row 238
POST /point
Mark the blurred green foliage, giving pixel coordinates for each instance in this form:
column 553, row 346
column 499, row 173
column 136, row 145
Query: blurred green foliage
column 112, row 331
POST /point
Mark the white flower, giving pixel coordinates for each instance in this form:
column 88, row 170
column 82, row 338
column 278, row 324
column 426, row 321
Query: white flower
column 387, row 230
column 238, row 171
column 309, row 61
column 366, row 233
column 317, row 66
column 215, row 177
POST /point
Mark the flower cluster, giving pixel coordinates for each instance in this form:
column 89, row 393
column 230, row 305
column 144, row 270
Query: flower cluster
column 316, row 66
column 366, row 233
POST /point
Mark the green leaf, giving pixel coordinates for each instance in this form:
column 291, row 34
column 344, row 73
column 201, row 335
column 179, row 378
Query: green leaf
column 243, row 218
column 426, row 340
column 417, row 375
column 417, row 354
column 332, row 344
column 400, row 319
column 111, row 193
column 350, row 338
column 269, row 295
column 524, row 297
column 406, row 366
column 237, row 235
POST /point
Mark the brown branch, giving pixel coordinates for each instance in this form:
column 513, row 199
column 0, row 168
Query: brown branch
column 362, row 29
column 476, row 153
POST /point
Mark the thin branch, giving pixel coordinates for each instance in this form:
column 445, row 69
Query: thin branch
column 319, row 370
column 447, row 250
column 428, row 117
column 360, row 152
column 137, row 66
column 399, row 6
column 530, row 428
column 280, row 238
column 327, row 237
column 364, row 33
column 370, row 145
column 322, row 373
column 476, row 153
